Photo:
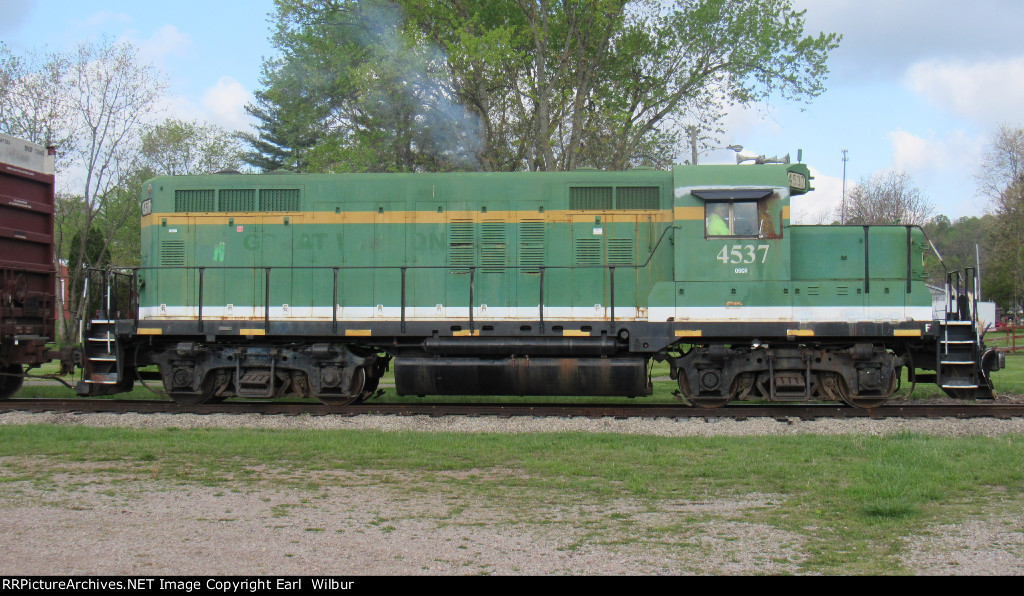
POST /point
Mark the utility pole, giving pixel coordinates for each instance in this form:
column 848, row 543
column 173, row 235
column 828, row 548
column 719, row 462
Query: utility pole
column 845, row 159
column 693, row 144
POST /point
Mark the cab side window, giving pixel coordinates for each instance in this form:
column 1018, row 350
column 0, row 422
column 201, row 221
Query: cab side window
column 731, row 218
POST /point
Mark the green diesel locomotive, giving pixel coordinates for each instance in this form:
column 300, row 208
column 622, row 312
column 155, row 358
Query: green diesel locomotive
column 563, row 283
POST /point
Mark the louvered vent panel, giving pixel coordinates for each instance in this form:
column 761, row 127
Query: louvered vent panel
column 588, row 251
column 172, row 253
column 531, row 245
column 636, row 197
column 590, row 197
column 493, row 246
column 461, row 244
column 279, row 199
column 236, row 199
column 194, row 200
column 620, row 251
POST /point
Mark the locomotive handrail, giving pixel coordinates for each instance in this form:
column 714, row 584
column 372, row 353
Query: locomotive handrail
column 134, row 273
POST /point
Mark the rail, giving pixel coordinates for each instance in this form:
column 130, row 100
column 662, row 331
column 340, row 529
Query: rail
column 119, row 296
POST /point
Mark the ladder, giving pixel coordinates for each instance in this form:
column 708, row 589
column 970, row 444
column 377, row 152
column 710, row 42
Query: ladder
column 103, row 359
column 958, row 368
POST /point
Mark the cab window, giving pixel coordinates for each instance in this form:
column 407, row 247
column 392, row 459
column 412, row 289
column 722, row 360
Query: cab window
column 731, row 218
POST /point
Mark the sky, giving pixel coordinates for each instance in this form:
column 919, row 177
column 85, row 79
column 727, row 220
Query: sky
column 915, row 85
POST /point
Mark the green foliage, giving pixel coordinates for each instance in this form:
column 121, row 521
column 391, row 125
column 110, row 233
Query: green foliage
column 505, row 85
column 959, row 242
column 1008, row 246
column 92, row 248
column 1002, row 181
column 176, row 147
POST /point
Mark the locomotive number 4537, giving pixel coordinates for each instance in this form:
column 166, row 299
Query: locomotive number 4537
column 742, row 253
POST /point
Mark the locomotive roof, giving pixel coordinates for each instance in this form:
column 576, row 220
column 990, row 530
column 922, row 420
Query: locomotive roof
column 772, row 175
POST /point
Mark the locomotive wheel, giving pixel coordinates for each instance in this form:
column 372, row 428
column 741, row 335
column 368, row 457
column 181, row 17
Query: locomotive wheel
column 206, row 396
column 866, row 402
column 703, row 401
column 356, row 390
column 709, row 403
column 11, row 380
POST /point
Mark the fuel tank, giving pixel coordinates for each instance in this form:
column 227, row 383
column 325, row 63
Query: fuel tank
column 521, row 375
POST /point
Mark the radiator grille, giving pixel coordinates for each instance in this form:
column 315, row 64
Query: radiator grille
column 636, row 197
column 194, row 200
column 237, row 199
column 279, row 199
column 172, row 253
column 590, row 197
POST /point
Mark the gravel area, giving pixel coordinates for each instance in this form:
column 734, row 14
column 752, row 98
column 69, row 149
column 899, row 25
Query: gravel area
column 373, row 522
column 666, row 427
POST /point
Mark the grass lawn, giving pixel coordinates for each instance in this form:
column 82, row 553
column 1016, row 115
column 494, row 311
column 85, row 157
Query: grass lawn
column 846, row 503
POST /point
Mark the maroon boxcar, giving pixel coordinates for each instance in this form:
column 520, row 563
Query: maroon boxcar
column 27, row 271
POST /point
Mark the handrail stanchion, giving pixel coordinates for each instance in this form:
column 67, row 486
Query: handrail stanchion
column 134, row 299
column 266, row 302
column 403, row 299
column 542, row 268
column 334, row 304
column 202, row 270
column 472, row 282
column 611, row 274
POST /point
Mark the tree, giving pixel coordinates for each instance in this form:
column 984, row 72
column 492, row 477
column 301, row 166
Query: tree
column 1008, row 246
column 282, row 142
column 887, row 197
column 959, row 243
column 1004, row 162
column 94, row 256
column 91, row 103
column 34, row 103
column 111, row 93
column 1002, row 181
column 177, row 147
column 519, row 84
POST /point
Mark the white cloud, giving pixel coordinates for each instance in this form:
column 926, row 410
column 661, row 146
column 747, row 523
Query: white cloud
column 942, row 166
column 934, row 155
column 987, row 92
column 225, row 103
column 745, row 121
column 882, row 38
column 166, row 41
column 819, row 205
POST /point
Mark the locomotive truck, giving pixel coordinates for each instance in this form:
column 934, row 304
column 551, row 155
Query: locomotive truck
column 538, row 283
